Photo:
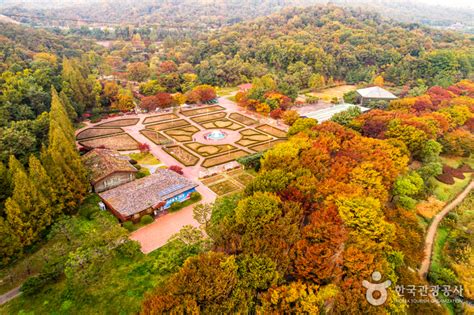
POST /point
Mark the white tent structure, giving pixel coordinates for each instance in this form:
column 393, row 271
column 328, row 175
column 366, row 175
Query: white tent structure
column 327, row 113
column 374, row 93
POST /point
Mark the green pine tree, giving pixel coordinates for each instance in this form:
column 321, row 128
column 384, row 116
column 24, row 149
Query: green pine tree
column 5, row 186
column 71, row 112
column 9, row 243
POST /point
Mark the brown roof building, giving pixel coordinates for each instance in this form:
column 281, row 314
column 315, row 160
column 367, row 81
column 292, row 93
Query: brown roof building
column 146, row 195
column 108, row 169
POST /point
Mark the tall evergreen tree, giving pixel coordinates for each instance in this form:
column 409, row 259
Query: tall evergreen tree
column 9, row 242
column 77, row 85
column 71, row 111
column 5, row 186
column 44, row 185
column 62, row 161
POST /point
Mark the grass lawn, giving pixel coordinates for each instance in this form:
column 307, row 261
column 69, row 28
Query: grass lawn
column 440, row 240
column 446, row 192
column 144, row 158
column 337, row 91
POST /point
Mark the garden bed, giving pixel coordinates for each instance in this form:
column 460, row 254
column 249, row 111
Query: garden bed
column 120, row 123
column 212, row 179
column 181, row 155
column 200, row 119
column 225, row 187
column 155, row 136
column 206, row 150
column 182, row 134
column 224, row 158
column 202, row 110
column 158, row 118
column 243, row 119
column 121, row 142
column 277, row 133
column 168, row 125
column 222, row 124
column 244, row 178
column 98, row 132
column 251, row 137
column 265, row 146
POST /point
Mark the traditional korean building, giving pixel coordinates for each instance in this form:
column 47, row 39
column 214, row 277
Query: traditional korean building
column 148, row 195
column 374, row 93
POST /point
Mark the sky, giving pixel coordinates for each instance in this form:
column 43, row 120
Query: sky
column 450, row 3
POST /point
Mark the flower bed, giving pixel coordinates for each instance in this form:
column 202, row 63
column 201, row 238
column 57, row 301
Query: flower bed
column 155, row 136
column 120, row 123
column 202, row 110
column 224, row 158
column 208, row 150
column 200, row 119
column 277, row 133
column 121, row 142
column 181, row 155
column 97, row 132
column 182, row 134
column 251, row 137
column 225, row 187
column 158, row 118
column 168, row 125
column 243, row 119
column 265, row 146
column 223, row 124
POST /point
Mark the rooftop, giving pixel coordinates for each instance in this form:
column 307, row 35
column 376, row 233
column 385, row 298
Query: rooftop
column 327, row 113
column 376, row 92
column 146, row 192
column 103, row 162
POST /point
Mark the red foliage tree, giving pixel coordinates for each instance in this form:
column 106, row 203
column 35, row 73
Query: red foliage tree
column 164, row 100
column 149, row 103
column 144, row 147
column 176, row 169
column 276, row 113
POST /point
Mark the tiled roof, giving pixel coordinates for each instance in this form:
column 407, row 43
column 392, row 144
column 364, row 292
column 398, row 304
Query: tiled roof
column 103, row 162
column 146, row 192
column 376, row 92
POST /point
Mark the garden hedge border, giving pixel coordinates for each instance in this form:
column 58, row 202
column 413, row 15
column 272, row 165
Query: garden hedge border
column 257, row 128
column 122, row 119
column 159, row 121
column 107, row 135
column 227, row 153
column 186, row 112
column 166, row 148
column 128, row 149
column 209, row 119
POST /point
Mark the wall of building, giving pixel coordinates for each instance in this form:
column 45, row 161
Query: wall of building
column 114, row 180
column 179, row 198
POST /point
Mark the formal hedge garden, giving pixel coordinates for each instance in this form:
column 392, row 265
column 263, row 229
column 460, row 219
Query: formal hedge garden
column 182, row 134
column 168, row 125
column 203, row 118
column 121, row 142
column 120, row 123
column 159, row 118
column 278, row 133
column 181, row 155
column 251, row 137
column 202, row 110
column 265, row 146
column 222, row 124
column 98, row 132
column 206, row 150
column 243, row 119
column 155, row 137
column 224, row 158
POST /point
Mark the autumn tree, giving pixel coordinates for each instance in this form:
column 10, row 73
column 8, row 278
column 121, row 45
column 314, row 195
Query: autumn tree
column 138, row 71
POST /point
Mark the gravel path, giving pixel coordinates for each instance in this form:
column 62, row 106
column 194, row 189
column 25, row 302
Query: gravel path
column 430, row 235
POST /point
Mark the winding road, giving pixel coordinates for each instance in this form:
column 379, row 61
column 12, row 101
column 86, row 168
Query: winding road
column 430, row 235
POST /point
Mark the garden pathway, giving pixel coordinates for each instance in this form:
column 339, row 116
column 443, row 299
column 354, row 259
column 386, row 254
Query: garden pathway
column 10, row 295
column 430, row 235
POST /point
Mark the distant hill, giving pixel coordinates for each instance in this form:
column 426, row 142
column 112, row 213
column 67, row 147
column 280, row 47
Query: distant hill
column 214, row 13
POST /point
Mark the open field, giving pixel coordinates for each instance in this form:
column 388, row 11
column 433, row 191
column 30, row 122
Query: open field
column 214, row 116
column 158, row 118
column 155, row 136
column 222, row 124
column 97, row 132
column 337, row 91
column 277, row 133
column 121, row 142
column 168, row 125
column 181, row 155
column 120, row 123
column 184, row 134
column 224, row 158
column 202, row 110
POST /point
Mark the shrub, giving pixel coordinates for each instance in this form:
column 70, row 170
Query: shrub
column 129, row 226
column 445, row 179
column 175, row 206
column 176, row 169
column 453, row 172
column 138, row 167
column 133, row 162
column 310, row 99
column 146, row 219
column 466, row 168
column 129, row 249
column 276, row 113
column 144, row 147
column 290, row 116
column 195, row 196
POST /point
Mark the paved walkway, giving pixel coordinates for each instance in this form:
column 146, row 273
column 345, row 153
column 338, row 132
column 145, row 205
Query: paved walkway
column 10, row 295
column 430, row 235
column 159, row 232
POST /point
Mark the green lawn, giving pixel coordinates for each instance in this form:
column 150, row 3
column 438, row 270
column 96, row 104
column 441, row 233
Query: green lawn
column 446, row 192
column 440, row 240
column 144, row 158
column 223, row 91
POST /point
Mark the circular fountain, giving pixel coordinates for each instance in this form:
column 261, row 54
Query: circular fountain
column 215, row 135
